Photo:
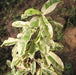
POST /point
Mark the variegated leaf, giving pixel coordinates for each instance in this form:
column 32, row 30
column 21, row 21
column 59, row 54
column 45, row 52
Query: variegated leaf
column 48, row 72
column 32, row 48
column 20, row 24
column 34, row 22
column 33, row 67
column 48, row 27
column 21, row 47
column 57, row 23
column 36, row 34
column 40, row 46
column 50, row 9
column 15, row 62
column 49, row 6
column 19, row 35
column 30, row 12
column 14, row 51
column 19, row 72
column 9, row 63
column 56, row 61
column 55, row 46
column 47, row 60
column 24, row 40
column 39, row 72
column 10, row 41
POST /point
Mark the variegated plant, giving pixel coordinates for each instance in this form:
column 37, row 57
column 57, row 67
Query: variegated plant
column 33, row 50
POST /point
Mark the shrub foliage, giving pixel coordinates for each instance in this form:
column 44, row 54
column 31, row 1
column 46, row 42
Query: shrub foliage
column 33, row 50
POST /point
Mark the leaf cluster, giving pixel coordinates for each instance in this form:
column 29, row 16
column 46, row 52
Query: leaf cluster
column 34, row 45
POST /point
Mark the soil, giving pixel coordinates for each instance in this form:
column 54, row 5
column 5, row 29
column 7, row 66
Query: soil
column 62, row 14
column 68, row 54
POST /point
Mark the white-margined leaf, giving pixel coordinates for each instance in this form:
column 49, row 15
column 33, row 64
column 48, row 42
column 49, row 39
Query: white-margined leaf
column 34, row 22
column 49, row 6
column 9, row 63
column 27, row 34
column 48, row 72
column 56, row 61
column 43, row 9
column 56, row 46
column 44, row 33
column 30, row 12
column 48, row 27
column 15, row 62
column 19, row 35
column 57, row 23
column 10, row 41
column 19, row 48
column 19, row 72
column 20, row 24
column 50, row 9
column 36, row 36
column 26, row 31
column 21, row 45
column 40, row 46
column 47, row 60
column 39, row 72
column 20, row 65
column 33, row 67
column 14, row 51
column 32, row 48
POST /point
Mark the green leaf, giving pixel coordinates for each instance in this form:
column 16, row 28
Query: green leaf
column 10, row 41
column 49, row 6
column 30, row 12
column 33, row 67
column 56, row 61
column 20, row 24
